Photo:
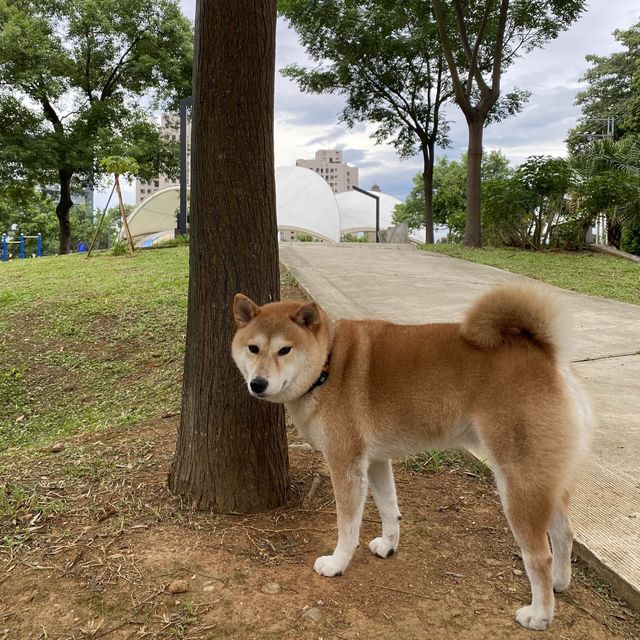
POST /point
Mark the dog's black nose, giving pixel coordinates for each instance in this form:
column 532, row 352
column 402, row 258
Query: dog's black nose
column 258, row 385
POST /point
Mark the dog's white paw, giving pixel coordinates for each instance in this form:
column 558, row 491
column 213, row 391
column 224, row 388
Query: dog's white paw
column 329, row 566
column 382, row 548
column 535, row 618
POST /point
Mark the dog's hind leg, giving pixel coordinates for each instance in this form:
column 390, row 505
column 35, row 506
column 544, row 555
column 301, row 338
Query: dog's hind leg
column 349, row 479
column 528, row 509
column 384, row 493
column 561, row 534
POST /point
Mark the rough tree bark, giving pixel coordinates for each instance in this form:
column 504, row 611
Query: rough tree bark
column 427, row 176
column 614, row 231
column 231, row 453
column 62, row 210
column 473, row 227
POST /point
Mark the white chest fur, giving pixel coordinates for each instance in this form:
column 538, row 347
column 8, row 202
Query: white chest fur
column 306, row 417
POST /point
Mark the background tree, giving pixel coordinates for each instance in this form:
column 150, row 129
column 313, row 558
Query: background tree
column 608, row 182
column 613, row 90
column 389, row 68
column 231, row 453
column 526, row 208
column 480, row 39
column 34, row 212
column 73, row 74
column 450, row 185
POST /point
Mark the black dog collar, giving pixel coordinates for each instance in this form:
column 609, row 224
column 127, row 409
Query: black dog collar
column 324, row 374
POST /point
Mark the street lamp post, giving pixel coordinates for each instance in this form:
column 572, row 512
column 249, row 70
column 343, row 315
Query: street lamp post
column 377, row 199
column 185, row 103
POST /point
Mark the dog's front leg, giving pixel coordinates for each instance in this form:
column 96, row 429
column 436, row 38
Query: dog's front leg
column 349, row 479
column 384, row 493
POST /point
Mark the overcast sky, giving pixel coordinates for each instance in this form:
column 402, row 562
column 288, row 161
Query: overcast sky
column 305, row 123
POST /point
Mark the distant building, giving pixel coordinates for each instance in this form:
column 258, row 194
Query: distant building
column 328, row 164
column 170, row 127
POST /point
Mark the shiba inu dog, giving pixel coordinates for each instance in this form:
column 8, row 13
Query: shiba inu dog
column 365, row 392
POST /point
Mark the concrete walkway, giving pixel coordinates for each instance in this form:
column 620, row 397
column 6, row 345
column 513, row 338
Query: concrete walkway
column 402, row 284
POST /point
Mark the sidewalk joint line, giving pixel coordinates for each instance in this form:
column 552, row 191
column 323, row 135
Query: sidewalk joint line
column 615, row 355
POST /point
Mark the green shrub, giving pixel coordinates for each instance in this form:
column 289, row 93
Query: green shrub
column 178, row 241
column 119, row 249
column 630, row 241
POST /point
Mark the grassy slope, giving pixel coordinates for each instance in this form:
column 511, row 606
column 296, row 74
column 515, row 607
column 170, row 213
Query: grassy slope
column 586, row 272
column 89, row 344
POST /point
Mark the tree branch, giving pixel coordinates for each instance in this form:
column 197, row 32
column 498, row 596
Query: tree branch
column 497, row 56
column 109, row 84
column 462, row 99
column 50, row 113
column 473, row 64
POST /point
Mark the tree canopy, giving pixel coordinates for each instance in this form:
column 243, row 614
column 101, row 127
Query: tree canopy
column 77, row 81
column 613, row 91
column 450, row 184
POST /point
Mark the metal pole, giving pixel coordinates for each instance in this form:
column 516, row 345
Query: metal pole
column 4, row 247
column 39, row 245
column 182, row 215
column 377, row 199
column 22, row 246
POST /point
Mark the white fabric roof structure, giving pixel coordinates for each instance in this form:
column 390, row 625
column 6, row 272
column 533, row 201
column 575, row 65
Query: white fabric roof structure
column 305, row 203
column 154, row 214
column 358, row 211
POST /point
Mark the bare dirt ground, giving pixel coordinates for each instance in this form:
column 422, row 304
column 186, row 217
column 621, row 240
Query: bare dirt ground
column 96, row 547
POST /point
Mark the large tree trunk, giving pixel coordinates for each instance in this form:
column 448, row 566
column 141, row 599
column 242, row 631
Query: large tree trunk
column 427, row 175
column 614, row 231
column 231, row 453
column 62, row 210
column 472, row 230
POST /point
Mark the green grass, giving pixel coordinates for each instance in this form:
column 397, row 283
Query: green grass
column 89, row 344
column 582, row 271
column 437, row 460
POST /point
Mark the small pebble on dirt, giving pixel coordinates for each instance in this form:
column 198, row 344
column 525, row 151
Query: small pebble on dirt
column 271, row 587
column 178, row 586
column 313, row 615
column 56, row 448
column 517, row 572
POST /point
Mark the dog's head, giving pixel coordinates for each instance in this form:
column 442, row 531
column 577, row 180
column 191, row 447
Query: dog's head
column 280, row 348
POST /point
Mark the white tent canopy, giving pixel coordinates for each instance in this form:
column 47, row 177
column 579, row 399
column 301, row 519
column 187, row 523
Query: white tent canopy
column 154, row 214
column 305, row 203
column 358, row 211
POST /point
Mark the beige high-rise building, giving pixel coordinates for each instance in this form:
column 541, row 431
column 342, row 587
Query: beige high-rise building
column 329, row 165
column 170, row 127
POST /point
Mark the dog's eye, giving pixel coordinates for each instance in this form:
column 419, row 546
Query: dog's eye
column 254, row 348
column 284, row 351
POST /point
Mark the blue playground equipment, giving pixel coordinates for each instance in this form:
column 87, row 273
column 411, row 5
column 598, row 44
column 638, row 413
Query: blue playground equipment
column 6, row 241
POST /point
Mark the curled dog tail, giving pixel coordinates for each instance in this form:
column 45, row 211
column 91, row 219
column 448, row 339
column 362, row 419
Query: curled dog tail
column 516, row 311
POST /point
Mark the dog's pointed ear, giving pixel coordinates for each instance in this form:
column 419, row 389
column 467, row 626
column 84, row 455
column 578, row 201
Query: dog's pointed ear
column 244, row 310
column 308, row 315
